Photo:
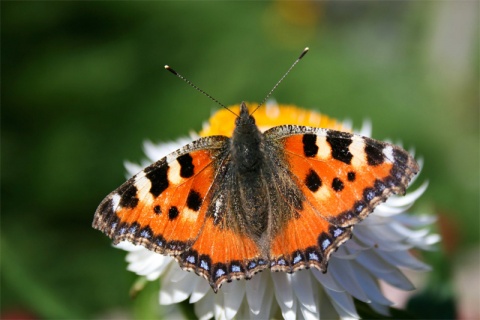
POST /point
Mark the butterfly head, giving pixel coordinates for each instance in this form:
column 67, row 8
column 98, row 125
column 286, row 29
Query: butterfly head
column 245, row 120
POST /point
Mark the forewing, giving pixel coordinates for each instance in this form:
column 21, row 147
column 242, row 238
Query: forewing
column 343, row 177
column 164, row 206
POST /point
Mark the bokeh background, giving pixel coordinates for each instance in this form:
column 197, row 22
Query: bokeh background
column 83, row 85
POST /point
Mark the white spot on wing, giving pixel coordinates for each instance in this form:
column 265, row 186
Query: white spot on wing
column 324, row 149
column 143, row 186
column 116, row 201
column 388, row 153
column 323, row 193
column 357, row 149
column 188, row 215
column 174, row 173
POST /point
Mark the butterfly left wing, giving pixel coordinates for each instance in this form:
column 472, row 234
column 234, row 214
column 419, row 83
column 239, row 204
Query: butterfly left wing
column 175, row 207
column 343, row 177
column 163, row 206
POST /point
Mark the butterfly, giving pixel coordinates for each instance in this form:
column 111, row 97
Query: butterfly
column 229, row 207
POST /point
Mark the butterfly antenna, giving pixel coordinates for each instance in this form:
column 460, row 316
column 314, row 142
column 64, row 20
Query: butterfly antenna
column 197, row 88
column 304, row 52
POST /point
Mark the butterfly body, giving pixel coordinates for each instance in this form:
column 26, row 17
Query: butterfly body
column 283, row 199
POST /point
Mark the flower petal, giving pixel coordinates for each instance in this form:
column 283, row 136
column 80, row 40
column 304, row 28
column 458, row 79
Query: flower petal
column 200, row 289
column 302, row 286
column 176, row 288
column 204, row 308
column 255, row 289
column 342, row 272
column 233, row 294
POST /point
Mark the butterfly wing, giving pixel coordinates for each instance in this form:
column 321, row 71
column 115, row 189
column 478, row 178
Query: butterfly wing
column 343, row 177
column 167, row 209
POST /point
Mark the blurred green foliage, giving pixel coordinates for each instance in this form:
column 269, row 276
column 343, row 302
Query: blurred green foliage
column 83, row 85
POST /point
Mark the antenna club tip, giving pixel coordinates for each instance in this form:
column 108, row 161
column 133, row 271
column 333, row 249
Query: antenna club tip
column 304, row 52
column 167, row 67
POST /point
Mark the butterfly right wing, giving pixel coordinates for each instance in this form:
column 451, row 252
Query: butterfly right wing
column 342, row 177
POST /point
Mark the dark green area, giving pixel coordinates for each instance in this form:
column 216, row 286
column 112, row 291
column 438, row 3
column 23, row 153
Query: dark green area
column 83, row 85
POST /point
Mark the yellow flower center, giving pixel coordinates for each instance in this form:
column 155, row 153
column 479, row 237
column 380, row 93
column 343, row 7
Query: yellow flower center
column 271, row 115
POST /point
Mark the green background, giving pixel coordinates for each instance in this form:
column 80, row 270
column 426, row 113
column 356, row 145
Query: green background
column 83, row 85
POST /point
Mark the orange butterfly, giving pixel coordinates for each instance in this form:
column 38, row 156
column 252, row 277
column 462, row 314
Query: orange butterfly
column 284, row 199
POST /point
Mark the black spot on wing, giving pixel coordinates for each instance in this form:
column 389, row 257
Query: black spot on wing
column 337, row 184
column 158, row 178
column 374, row 152
column 128, row 196
column 157, row 209
column 173, row 213
column 310, row 147
column 194, row 200
column 339, row 142
column 313, row 181
column 186, row 165
column 351, row 176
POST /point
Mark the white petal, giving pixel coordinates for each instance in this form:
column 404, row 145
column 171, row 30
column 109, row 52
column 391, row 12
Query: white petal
column 343, row 303
column 366, row 129
column 132, row 168
column 128, row 246
column 284, row 294
column 327, row 280
column 354, row 245
column 302, row 286
column 409, row 198
column 387, row 210
column 218, row 309
column 341, row 271
column 175, row 291
column 233, row 294
column 267, row 299
column 200, row 289
column 178, row 274
column 204, row 308
column 383, row 270
column 370, row 285
column 347, row 124
column 405, row 259
column 415, row 221
column 156, row 152
column 255, row 289
column 344, row 253
column 283, row 290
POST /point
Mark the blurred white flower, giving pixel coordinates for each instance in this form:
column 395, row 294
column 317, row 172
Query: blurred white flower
column 378, row 250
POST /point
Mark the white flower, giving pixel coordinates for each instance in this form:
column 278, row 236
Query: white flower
column 378, row 250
